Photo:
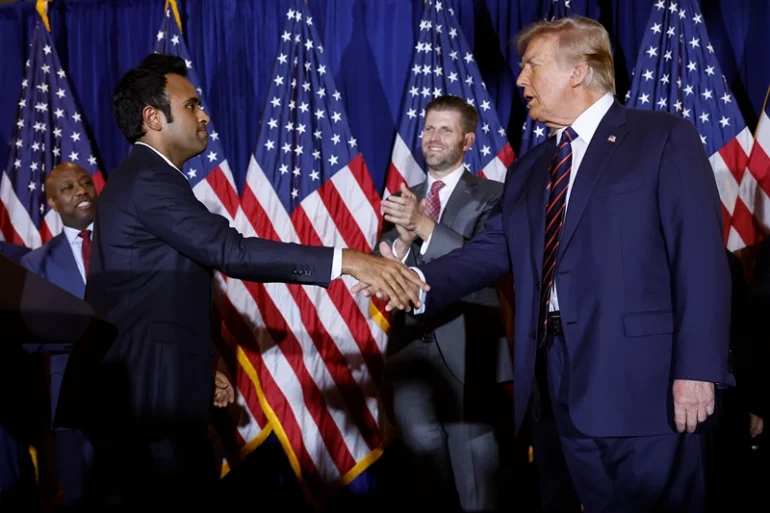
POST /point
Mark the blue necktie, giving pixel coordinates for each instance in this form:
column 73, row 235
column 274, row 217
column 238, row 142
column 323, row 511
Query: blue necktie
column 559, row 172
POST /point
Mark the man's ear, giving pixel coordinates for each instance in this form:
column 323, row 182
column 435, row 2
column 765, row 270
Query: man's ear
column 52, row 204
column 469, row 140
column 151, row 118
column 579, row 74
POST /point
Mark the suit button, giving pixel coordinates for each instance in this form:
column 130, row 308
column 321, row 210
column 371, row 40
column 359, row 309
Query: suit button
column 533, row 335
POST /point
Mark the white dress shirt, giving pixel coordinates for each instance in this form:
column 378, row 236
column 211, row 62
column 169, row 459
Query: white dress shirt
column 450, row 182
column 336, row 259
column 76, row 245
column 585, row 127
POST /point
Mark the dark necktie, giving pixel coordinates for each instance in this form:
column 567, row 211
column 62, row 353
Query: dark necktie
column 432, row 201
column 86, row 236
column 559, row 171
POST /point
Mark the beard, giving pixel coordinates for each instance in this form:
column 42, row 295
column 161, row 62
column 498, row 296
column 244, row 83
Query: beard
column 444, row 161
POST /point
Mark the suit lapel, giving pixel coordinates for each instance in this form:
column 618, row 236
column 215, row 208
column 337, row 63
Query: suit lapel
column 536, row 202
column 608, row 137
column 64, row 260
column 459, row 200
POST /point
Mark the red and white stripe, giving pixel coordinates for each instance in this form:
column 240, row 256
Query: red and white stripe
column 755, row 186
column 744, row 193
column 318, row 352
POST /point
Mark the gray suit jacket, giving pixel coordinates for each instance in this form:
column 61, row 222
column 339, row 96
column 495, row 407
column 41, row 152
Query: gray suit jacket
column 470, row 333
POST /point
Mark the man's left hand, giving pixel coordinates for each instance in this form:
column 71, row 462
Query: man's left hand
column 693, row 403
column 224, row 393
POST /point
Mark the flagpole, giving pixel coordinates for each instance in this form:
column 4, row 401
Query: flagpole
column 42, row 10
column 175, row 10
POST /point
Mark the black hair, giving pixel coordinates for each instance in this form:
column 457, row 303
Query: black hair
column 141, row 86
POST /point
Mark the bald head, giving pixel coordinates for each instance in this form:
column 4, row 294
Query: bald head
column 70, row 191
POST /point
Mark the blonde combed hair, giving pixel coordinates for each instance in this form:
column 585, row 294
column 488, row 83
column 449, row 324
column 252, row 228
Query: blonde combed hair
column 579, row 40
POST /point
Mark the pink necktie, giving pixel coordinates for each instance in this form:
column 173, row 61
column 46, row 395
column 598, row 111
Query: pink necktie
column 433, row 203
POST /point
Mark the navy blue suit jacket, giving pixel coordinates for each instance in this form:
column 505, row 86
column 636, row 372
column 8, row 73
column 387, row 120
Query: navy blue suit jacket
column 13, row 251
column 155, row 247
column 55, row 262
column 642, row 276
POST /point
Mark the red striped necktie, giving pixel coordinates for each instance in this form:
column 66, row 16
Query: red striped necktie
column 559, row 171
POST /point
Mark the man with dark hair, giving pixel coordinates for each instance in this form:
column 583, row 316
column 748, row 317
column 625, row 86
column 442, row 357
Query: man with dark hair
column 155, row 246
column 446, row 374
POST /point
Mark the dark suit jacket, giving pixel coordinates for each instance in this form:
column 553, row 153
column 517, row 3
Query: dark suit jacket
column 154, row 249
column 55, row 262
column 13, row 251
column 642, row 275
column 470, row 334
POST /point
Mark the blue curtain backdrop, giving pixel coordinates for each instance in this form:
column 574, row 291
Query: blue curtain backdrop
column 369, row 45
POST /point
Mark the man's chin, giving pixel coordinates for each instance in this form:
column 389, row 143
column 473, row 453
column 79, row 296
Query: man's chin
column 201, row 150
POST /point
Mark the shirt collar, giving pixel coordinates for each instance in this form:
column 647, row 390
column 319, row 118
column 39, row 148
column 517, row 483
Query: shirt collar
column 450, row 180
column 161, row 156
column 586, row 124
column 72, row 233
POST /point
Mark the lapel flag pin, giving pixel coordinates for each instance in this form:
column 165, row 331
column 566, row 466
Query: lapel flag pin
column 611, row 138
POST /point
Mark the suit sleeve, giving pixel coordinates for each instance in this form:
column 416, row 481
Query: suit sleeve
column 167, row 208
column 444, row 239
column 389, row 238
column 477, row 264
column 691, row 222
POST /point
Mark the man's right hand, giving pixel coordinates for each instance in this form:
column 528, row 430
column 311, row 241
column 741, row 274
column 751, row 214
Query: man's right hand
column 385, row 277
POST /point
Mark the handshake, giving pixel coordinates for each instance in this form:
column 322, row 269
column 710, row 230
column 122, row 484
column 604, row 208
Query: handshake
column 384, row 277
column 387, row 277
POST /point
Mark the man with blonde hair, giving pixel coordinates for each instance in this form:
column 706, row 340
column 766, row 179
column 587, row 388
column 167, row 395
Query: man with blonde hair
column 613, row 231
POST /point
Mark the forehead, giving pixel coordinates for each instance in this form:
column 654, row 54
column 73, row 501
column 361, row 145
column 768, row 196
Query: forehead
column 180, row 87
column 443, row 117
column 69, row 173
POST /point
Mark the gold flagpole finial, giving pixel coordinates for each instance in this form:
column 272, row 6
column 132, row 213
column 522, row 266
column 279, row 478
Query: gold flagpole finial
column 175, row 10
column 42, row 9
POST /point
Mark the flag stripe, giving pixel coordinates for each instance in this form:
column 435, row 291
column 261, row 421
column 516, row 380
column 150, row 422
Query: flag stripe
column 274, row 320
column 274, row 398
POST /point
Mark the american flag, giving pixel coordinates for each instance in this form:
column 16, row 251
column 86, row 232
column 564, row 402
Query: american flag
column 212, row 182
column 534, row 132
column 49, row 130
column 444, row 65
column 677, row 72
column 317, row 353
column 759, row 167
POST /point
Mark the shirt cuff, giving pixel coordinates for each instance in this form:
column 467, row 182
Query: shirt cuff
column 423, row 294
column 336, row 264
column 425, row 244
column 393, row 248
